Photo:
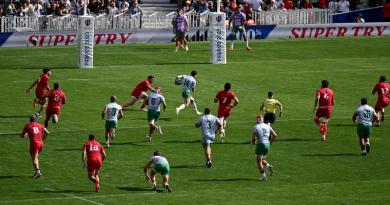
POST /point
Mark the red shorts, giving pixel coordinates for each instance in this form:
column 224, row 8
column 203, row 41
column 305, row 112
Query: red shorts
column 381, row 103
column 36, row 148
column 94, row 165
column 53, row 110
column 136, row 93
column 40, row 93
column 324, row 112
column 224, row 112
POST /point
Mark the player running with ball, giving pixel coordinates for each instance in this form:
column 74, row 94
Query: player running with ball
column 155, row 100
column 323, row 107
column 238, row 18
column 56, row 98
column 224, row 98
column 263, row 136
column 189, row 83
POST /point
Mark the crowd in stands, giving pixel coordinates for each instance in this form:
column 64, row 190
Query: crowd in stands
column 65, row 7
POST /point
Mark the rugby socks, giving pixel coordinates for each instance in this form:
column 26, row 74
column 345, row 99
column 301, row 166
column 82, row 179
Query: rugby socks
column 317, row 121
column 181, row 107
column 195, row 108
column 247, row 43
column 232, row 45
column 46, row 123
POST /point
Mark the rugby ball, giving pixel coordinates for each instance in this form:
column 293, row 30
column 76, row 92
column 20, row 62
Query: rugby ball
column 178, row 81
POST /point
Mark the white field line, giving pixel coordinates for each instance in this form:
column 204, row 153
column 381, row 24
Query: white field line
column 249, row 123
column 69, row 196
column 77, row 197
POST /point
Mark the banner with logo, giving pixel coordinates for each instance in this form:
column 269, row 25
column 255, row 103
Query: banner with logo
column 86, row 41
column 217, row 40
column 65, row 38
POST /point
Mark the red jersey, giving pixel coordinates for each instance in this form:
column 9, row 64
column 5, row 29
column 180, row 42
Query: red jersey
column 93, row 149
column 288, row 5
column 326, row 97
column 34, row 131
column 43, row 81
column 225, row 98
column 383, row 90
column 56, row 98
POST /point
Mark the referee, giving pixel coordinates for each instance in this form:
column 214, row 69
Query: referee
column 269, row 107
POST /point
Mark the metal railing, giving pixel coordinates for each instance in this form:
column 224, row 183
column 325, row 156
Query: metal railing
column 155, row 20
column 302, row 16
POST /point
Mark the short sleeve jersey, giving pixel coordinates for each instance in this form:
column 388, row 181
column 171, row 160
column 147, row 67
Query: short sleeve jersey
column 326, row 97
column 158, row 160
column 112, row 111
column 270, row 105
column 143, row 86
column 366, row 114
column 43, row 81
column 56, row 98
column 155, row 100
column 383, row 90
column 189, row 82
column 263, row 132
column 93, row 149
column 209, row 125
column 238, row 18
column 225, row 98
column 34, row 131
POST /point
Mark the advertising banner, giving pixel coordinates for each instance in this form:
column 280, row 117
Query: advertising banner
column 123, row 37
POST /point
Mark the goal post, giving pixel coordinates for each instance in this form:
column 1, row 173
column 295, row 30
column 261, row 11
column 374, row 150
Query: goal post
column 217, row 31
column 86, row 36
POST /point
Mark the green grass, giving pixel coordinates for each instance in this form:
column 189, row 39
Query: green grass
column 307, row 171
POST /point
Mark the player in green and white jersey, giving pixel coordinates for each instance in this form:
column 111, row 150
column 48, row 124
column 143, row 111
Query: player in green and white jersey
column 161, row 165
column 262, row 132
column 114, row 112
column 366, row 116
column 155, row 100
column 210, row 124
column 188, row 83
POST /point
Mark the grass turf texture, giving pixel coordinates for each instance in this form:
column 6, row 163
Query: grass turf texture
column 307, row 171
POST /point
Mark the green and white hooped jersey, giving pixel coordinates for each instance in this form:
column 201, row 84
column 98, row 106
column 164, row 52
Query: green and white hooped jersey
column 366, row 114
column 155, row 100
column 263, row 132
column 112, row 111
column 189, row 82
column 158, row 160
column 209, row 125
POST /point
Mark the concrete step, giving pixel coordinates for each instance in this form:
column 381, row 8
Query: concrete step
column 155, row 1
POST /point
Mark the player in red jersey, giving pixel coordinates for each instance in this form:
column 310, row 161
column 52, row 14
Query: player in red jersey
column 383, row 90
column 139, row 92
column 42, row 87
column 56, row 99
column 323, row 107
column 94, row 154
column 37, row 134
column 224, row 99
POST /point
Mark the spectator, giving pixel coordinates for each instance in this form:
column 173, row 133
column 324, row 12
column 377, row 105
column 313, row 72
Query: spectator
column 49, row 9
column 187, row 7
column 255, row 4
column 288, row 5
column 332, row 6
column 197, row 5
column 308, row 4
column 247, row 9
column 37, row 9
column 314, row 3
column 111, row 9
column 204, row 8
column 135, row 9
column 272, row 6
column 123, row 7
column 322, row 4
column 249, row 20
column 67, row 4
column 61, row 10
column 343, row 6
column 212, row 7
column 2, row 11
column 230, row 8
column 11, row 8
column 279, row 4
column 23, row 10
column 93, row 7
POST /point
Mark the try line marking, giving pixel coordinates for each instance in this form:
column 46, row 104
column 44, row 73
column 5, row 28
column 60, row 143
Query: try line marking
column 77, row 197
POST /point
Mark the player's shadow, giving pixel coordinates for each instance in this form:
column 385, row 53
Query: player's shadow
column 295, row 140
column 219, row 143
column 10, row 133
column 13, row 116
column 331, row 155
column 224, row 180
column 66, row 191
column 127, row 143
column 12, row 177
column 167, row 119
column 182, row 141
column 342, row 125
column 137, row 189
column 181, row 63
column 68, row 149
column 185, row 166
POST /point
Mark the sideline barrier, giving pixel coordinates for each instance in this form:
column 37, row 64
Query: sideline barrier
column 311, row 31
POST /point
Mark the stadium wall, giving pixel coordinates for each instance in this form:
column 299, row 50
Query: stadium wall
column 257, row 32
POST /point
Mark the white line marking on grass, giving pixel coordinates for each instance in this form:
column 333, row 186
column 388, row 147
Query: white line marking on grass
column 78, row 79
column 77, row 197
